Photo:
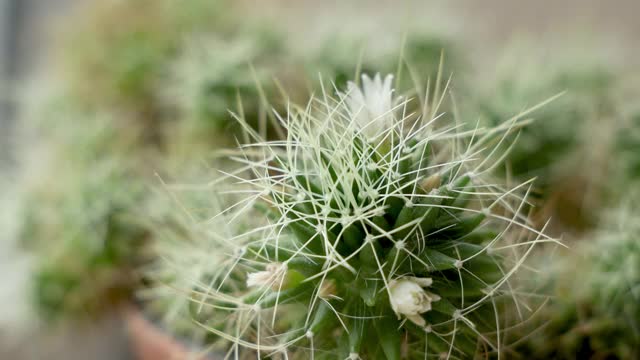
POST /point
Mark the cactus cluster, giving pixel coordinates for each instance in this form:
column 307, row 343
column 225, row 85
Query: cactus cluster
column 418, row 56
column 147, row 88
column 598, row 315
column 78, row 216
column 213, row 73
column 165, row 66
column 362, row 217
column 105, row 129
column 117, row 51
column 566, row 148
column 521, row 78
column 627, row 148
column 369, row 232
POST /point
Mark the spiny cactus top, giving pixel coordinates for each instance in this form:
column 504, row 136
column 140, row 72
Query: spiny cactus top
column 373, row 231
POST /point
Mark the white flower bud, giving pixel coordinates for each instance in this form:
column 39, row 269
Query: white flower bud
column 409, row 299
column 371, row 106
column 430, row 183
column 327, row 289
column 272, row 276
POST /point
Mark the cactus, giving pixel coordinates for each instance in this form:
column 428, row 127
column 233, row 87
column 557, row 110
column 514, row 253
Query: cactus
column 78, row 216
column 166, row 65
column 419, row 55
column 121, row 51
column 106, row 131
column 566, row 146
column 87, row 238
column 627, row 148
column 367, row 233
column 213, row 73
column 558, row 128
column 598, row 315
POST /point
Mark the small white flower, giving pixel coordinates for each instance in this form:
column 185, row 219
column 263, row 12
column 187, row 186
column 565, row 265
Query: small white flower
column 408, row 298
column 371, row 106
column 272, row 276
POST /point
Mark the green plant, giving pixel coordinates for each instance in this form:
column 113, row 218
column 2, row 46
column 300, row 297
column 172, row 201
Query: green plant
column 595, row 316
column 122, row 50
column 556, row 130
column 214, row 73
column 565, row 147
column 417, row 56
column 367, row 233
column 78, row 215
column 107, row 129
column 158, row 63
column 87, row 240
column 627, row 148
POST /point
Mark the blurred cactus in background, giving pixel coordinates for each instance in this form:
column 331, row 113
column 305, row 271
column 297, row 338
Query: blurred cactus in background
column 368, row 233
column 627, row 148
column 587, row 84
column 347, row 214
column 416, row 56
column 566, row 145
column 79, row 215
column 122, row 49
column 214, row 75
column 595, row 310
column 105, row 133
column 146, row 85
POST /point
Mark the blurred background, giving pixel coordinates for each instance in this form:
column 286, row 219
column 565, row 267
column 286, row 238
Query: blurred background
column 41, row 40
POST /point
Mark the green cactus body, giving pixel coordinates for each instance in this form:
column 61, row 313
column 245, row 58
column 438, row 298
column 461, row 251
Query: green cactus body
column 364, row 234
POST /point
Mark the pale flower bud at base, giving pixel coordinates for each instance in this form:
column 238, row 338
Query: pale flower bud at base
column 409, row 299
column 272, row 276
